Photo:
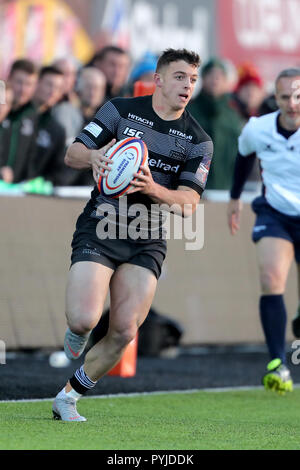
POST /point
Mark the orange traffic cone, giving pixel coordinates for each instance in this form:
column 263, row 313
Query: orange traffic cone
column 126, row 367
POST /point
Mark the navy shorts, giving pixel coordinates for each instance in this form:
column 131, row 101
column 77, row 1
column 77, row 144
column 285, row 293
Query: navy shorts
column 272, row 223
column 86, row 246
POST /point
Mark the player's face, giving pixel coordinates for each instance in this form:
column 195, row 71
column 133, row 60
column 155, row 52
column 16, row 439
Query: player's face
column 92, row 92
column 215, row 82
column 288, row 100
column 23, row 86
column 50, row 89
column 115, row 67
column 177, row 82
column 69, row 71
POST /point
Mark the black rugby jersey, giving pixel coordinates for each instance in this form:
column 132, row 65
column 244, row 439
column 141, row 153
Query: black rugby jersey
column 179, row 151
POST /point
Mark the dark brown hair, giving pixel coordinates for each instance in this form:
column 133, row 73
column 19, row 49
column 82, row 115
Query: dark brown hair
column 51, row 70
column 174, row 55
column 25, row 65
column 102, row 53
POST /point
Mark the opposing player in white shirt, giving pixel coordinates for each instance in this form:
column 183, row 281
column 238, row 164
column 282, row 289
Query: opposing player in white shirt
column 275, row 140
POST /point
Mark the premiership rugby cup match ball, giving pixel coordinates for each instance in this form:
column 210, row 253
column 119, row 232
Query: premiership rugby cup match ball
column 128, row 156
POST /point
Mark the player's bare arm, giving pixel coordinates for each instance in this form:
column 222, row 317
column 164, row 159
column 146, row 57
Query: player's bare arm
column 185, row 198
column 233, row 215
column 78, row 156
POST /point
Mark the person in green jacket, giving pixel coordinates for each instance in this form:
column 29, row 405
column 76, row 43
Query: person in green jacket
column 18, row 128
column 213, row 111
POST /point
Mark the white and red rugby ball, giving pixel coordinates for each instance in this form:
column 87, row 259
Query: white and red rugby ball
column 128, row 156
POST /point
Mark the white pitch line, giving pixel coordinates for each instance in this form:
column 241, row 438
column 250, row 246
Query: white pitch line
column 161, row 392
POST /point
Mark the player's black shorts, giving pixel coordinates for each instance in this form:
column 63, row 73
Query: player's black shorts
column 272, row 223
column 86, row 246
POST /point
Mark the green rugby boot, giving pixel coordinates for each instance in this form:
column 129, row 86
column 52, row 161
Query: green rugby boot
column 278, row 378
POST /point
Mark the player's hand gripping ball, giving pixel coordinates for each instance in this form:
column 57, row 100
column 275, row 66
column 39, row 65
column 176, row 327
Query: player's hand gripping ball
column 128, row 155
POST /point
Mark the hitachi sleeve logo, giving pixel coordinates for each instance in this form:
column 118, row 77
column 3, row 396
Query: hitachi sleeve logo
column 135, row 118
column 164, row 166
column 180, row 134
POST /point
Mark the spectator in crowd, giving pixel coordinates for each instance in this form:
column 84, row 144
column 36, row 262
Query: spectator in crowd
column 212, row 109
column 47, row 159
column 5, row 108
column 143, row 71
column 66, row 111
column 249, row 92
column 91, row 90
column 6, row 104
column 18, row 128
column 68, row 67
column 269, row 105
column 247, row 99
column 114, row 62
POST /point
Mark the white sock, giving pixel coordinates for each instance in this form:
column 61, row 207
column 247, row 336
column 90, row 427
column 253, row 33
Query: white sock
column 71, row 393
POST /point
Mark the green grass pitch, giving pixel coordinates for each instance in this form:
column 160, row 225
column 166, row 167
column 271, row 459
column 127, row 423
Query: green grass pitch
column 230, row 420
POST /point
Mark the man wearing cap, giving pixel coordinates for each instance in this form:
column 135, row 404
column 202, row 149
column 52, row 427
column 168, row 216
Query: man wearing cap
column 213, row 111
column 246, row 100
column 249, row 92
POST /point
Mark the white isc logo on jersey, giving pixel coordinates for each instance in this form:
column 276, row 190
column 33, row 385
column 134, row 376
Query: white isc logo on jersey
column 133, row 132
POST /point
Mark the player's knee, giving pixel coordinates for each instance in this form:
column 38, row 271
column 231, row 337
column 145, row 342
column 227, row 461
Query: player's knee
column 123, row 336
column 81, row 326
column 271, row 282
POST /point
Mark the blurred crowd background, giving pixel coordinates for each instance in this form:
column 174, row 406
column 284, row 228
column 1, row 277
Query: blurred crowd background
column 61, row 60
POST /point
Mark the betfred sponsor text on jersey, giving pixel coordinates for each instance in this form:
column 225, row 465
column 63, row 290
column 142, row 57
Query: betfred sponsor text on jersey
column 153, row 163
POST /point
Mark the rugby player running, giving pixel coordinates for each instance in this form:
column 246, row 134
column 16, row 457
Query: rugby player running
column 275, row 139
column 180, row 153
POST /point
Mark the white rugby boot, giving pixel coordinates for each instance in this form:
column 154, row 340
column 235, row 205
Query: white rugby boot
column 64, row 408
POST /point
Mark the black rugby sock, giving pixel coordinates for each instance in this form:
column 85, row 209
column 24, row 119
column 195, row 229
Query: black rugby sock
column 80, row 382
column 273, row 318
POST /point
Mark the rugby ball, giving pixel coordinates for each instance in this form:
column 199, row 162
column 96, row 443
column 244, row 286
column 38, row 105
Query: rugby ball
column 128, row 155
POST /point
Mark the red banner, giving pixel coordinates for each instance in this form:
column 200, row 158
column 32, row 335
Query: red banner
column 264, row 32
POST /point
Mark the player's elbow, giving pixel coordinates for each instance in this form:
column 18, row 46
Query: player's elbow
column 75, row 156
column 78, row 156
